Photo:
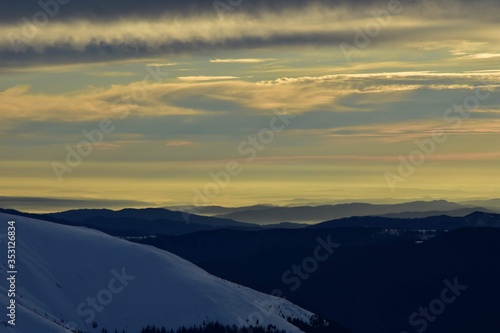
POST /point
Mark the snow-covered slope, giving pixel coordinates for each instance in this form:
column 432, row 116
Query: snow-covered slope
column 61, row 269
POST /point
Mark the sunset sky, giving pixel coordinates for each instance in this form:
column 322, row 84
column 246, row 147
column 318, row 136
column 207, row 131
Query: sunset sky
column 180, row 90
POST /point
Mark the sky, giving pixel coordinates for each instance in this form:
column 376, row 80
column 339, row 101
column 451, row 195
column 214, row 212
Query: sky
column 239, row 102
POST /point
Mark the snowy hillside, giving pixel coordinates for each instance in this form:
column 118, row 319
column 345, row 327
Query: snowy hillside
column 76, row 276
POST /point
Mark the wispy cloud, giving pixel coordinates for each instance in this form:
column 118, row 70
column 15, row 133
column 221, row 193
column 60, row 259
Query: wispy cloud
column 163, row 64
column 107, row 146
column 241, row 61
column 483, row 56
column 112, row 74
column 205, row 78
column 44, row 204
column 382, row 158
column 302, row 94
column 178, row 143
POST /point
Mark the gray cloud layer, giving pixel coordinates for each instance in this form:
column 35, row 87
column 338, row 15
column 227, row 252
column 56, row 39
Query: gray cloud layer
column 98, row 10
column 55, row 204
column 94, row 32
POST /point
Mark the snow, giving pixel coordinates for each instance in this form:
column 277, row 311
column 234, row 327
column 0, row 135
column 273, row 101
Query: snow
column 60, row 266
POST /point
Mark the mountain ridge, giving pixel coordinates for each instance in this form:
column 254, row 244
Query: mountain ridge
column 315, row 214
column 62, row 266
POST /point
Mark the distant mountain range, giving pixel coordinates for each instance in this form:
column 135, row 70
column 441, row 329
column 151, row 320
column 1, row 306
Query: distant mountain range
column 493, row 204
column 219, row 210
column 160, row 221
column 315, row 214
column 442, row 222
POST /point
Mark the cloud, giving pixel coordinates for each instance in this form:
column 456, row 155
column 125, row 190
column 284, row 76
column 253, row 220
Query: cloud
column 110, row 10
column 205, row 78
column 54, row 204
column 114, row 102
column 178, row 143
column 116, row 9
column 494, row 156
column 241, row 61
column 163, row 64
column 112, row 74
column 483, row 56
column 208, row 95
column 106, row 146
column 86, row 40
